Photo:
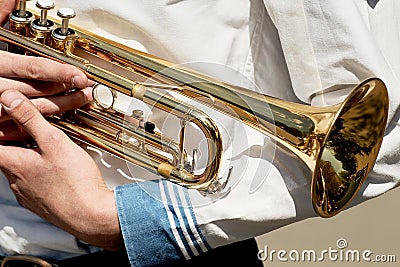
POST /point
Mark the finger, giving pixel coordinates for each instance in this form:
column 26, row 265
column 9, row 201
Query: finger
column 56, row 104
column 32, row 88
column 24, row 114
column 39, row 68
column 12, row 157
column 6, row 7
column 11, row 131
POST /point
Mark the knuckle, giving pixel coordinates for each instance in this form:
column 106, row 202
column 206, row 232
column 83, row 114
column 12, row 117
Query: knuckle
column 26, row 116
column 33, row 69
column 18, row 194
column 15, row 189
column 54, row 135
column 55, row 138
column 44, row 109
column 67, row 73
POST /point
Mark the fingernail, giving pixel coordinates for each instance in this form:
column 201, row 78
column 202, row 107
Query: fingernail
column 77, row 81
column 11, row 99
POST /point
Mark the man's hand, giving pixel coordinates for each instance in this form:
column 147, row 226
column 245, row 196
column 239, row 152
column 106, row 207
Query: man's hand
column 58, row 181
column 44, row 81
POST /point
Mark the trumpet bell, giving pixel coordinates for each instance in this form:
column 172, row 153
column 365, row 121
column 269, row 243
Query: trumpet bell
column 350, row 148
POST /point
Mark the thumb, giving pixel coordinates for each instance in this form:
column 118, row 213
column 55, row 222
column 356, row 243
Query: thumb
column 25, row 114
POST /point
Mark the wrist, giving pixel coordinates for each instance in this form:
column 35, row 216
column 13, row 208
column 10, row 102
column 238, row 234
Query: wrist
column 99, row 224
column 108, row 232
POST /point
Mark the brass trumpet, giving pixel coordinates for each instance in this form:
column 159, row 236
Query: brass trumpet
column 339, row 143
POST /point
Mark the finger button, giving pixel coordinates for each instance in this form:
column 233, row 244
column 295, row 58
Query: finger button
column 44, row 6
column 65, row 14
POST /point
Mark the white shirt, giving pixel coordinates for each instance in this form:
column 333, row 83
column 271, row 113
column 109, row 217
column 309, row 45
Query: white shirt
column 291, row 50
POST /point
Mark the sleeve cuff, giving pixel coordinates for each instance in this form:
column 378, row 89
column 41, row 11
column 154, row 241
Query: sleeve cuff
column 158, row 223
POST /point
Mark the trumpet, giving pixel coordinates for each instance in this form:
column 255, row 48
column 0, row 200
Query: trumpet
column 339, row 144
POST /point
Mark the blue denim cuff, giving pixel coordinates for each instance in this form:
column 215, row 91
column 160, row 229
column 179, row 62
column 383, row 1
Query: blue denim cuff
column 158, row 223
column 145, row 227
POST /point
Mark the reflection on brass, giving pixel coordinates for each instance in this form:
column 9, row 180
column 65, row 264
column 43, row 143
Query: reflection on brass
column 339, row 143
column 350, row 148
column 22, row 260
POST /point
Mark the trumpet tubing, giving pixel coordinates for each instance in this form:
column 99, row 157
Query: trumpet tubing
column 339, row 143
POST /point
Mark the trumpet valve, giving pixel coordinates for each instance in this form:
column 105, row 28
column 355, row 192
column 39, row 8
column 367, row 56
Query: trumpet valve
column 61, row 33
column 20, row 19
column 44, row 6
column 65, row 14
column 42, row 27
column 22, row 13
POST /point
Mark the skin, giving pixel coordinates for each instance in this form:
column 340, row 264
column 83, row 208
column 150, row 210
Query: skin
column 42, row 80
column 44, row 180
column 6, row 6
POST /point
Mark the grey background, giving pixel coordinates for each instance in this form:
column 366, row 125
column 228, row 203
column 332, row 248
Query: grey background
column 372, row 225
